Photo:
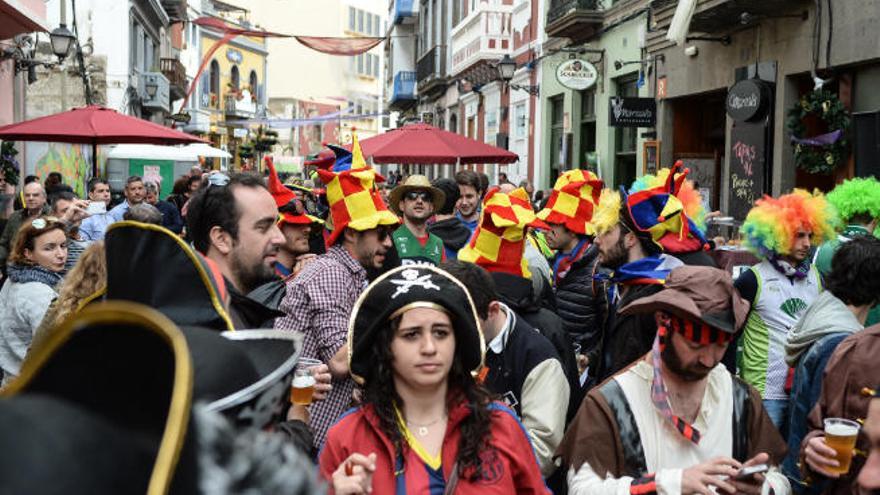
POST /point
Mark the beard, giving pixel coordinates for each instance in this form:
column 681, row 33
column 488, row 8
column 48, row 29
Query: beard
column 672, row 360
column 250, row 275
column 616, row 256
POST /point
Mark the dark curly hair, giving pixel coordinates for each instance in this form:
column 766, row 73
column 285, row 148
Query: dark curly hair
column 475, row 429
column 855, row 271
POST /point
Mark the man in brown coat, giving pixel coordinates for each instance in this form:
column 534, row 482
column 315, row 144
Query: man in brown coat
column 677, row 421
column 851, row 378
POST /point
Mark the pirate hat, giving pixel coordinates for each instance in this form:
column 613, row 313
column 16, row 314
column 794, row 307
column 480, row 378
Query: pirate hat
column 404, row 288
column 190, row 291
column 354, row 200
column 573, row 201
column 499, row 241
column 697, row 293
column 415, row 183
column 101, row 406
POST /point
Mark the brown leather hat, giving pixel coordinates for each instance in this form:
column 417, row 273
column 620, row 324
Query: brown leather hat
column 697, row 293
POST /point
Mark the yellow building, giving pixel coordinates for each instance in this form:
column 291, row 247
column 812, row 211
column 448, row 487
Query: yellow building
column 233, row 85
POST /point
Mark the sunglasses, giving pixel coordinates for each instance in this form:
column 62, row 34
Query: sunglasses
column 414, row 195
column 218, row 179
column 382, row 233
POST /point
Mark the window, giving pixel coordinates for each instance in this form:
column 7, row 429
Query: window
column 521, row 121
column 215, row 83
column 360, row 28
column 378, row 24
column 625, row 139
column 352, row 13
column 557, row 121
column 587, row 157
column 376, row 65
column 369, row 24
column 360, row 64
column 235, row 78
column 453, row 123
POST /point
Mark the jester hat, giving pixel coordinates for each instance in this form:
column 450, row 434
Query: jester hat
column 499, row 241
column 353, row 197
column 859, row 196
column 772, row 224
column 573, row 201
column 282, row 196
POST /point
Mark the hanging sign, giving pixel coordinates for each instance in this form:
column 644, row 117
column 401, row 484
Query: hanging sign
column 748, row 100
column 577, row 74
column 632, row 112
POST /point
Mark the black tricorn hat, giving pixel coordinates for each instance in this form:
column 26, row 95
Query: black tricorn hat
column 409, row 287
column 102, row 405
column 244, row 374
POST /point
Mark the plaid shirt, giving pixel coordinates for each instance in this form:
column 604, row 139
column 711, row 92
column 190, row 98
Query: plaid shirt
column 318, row 303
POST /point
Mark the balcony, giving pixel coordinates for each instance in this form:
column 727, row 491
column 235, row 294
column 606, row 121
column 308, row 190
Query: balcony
column 715, row 16
column 176, row 73
column 405, row 12
column 483, row 37
column 431, row 70
column 157, row 84
column 579, row 20
column 236, row 106
column 404, row 92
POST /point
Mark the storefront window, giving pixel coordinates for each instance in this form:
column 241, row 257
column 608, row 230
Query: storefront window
column 625, row 139
column 588, row 130
column 557, row 123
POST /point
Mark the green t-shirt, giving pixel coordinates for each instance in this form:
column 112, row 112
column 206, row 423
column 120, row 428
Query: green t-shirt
column 412, row 252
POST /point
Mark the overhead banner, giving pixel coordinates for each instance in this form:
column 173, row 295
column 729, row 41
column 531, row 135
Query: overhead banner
column 632, row 112
column 339, row 46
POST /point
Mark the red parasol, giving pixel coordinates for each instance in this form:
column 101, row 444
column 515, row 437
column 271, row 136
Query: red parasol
column 425, row 144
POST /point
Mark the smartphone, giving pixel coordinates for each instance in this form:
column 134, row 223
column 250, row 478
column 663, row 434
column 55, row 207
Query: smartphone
column 748, row 472
column 96, row 208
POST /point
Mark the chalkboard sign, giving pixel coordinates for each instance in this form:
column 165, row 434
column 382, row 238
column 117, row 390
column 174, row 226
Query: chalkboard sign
column 748, row 160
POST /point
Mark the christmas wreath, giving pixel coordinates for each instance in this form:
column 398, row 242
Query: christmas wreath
column 8, row 164
column 819, row 154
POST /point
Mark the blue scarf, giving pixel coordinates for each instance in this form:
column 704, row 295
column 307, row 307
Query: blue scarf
column 643, row 271
column 23, row 274
column 799, row 272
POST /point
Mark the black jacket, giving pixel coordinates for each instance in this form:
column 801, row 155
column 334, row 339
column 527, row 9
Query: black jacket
column 257, row 309
column 578, row 305
column 626, row 337
column 453, row 233
column 518, row 294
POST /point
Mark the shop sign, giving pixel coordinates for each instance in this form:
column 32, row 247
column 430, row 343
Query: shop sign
column 632, row 112
column 240, row 133
column 234, row 55
column 577, row 74
column 748, row 100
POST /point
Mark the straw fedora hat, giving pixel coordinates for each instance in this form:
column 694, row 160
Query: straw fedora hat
column 415, row 183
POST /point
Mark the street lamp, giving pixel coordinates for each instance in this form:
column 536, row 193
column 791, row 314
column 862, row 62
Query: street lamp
column 61, row 38
column 151, row 86
column 506, row 69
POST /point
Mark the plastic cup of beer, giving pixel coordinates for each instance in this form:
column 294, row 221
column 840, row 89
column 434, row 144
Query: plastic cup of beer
column 303, row 386
column 840, row 435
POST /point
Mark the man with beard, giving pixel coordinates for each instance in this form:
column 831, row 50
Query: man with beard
column 780, row 288
column 627, row 232
column 470, row 194
column 320, row 299
column 416, row 200
column 294, row 223
column 677, row 421
column 134, row 192
column 233, row 222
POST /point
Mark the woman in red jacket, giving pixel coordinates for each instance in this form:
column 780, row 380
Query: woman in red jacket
column 425, row 425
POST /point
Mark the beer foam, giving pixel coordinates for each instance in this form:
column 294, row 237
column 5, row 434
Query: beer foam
column 841, row 430
column 303, row 381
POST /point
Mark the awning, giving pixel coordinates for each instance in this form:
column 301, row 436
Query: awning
column 16, row 18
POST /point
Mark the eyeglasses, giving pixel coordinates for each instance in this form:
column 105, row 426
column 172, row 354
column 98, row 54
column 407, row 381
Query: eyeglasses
column 218, row 179
column 414, row 195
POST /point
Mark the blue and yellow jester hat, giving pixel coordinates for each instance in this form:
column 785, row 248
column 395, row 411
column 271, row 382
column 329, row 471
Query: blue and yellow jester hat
column 661, row 209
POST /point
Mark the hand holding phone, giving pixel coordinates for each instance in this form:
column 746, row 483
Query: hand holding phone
column 96, row 207
column 749, row 471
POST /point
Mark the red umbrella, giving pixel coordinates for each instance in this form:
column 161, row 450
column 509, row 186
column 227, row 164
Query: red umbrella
column 94, row 125
column 425, row 144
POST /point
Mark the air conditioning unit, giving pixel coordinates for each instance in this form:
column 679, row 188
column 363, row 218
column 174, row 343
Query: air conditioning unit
column 153, row 88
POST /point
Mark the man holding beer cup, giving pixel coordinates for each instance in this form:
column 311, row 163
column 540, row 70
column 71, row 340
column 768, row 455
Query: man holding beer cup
column 827, row 452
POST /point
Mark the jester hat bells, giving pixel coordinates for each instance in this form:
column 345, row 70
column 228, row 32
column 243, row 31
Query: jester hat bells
column 771, row 226
column 500, row 239
column 284, row 196
column 353, row 197
column 399, row 290
column 573, row 201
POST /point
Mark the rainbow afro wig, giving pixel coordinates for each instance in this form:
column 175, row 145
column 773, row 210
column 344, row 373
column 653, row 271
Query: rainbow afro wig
column 856, row 197
column 773, row 223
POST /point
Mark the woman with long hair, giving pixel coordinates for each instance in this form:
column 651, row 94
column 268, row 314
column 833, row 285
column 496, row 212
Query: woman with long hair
column 425, row 425
column 36, row 262
column 88, row 276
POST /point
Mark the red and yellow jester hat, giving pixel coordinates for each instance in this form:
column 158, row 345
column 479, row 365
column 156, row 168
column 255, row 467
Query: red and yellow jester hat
column 282, row 196
column 573, row 201
column 499, row 241
column 353, row 197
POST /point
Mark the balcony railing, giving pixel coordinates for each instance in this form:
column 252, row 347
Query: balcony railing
column 236, row 106
column 176, row 74
column 404, row 87
column 405, row 11
column 485, row 34
column 432, row 64
column 575, row 19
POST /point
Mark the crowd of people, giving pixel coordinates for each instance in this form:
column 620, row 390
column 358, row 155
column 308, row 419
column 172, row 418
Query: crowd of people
column 463, row 337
